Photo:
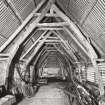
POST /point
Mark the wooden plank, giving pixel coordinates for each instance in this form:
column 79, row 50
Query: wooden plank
column 53, row 24
column 50, row 28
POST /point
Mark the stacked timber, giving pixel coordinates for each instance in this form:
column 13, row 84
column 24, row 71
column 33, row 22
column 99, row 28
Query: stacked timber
column 22, row 7
column 101, row 67
column 91, row 74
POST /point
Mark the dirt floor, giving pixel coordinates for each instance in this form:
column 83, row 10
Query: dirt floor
column 51, row 94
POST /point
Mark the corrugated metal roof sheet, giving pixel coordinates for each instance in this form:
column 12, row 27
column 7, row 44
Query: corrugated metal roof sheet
column 8, row 22
column 2, row 40
column 63, row 3
column 32, row 40
column 88, row 13
column 23, row 7
column 94, row 25
column 80, row 8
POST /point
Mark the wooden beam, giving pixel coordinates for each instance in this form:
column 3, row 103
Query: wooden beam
column 100, row 60
column 79, row 44
column 100, row 50
column 82, row 39
column 54, row 38
column 43, row 51
column 57, row 24
column 37, row 48
column 21, row 27
column 65, row 45
column 52, row 41
column 4, row 55
column 58, row 49
column 34, row 24
column 33, row 40
column 82, row 56
column 75, row 29
column 51, row 50
column 50, row 28
column 38, row 57
column 42, row 58
column 13, row 8
column 33, row 45
column 47, row 15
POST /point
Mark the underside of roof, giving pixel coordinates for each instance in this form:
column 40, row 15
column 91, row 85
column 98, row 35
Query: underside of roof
column 88, row 15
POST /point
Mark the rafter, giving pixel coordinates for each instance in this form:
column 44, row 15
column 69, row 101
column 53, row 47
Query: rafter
column 39, row 41
column 65, row 45
column 13, row 8
column 33, row 45
column 37, row 48
column 47, row 15
column 31, row 27
column 76, row 30
column 50, row 28
column 52, row 41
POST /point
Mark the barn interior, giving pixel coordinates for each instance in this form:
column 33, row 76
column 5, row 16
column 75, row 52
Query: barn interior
column 52, row 52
